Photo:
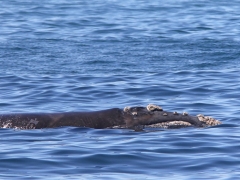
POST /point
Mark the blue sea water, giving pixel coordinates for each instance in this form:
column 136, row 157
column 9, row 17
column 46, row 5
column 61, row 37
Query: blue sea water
column 60, row 56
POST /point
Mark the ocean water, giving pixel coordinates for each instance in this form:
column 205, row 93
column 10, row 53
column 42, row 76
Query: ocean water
column 61, row 56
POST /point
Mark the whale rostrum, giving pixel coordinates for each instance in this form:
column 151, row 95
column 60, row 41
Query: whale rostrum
column 152, row 116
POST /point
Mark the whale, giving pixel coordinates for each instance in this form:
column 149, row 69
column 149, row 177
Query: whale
column 137, row 118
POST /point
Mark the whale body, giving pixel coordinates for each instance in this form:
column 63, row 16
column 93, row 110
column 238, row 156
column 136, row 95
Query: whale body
column 130, row 117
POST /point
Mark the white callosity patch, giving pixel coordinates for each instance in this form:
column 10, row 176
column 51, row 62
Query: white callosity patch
column 19, row 124
column 7, row 124
column 32, row 124
column 208, row 120
column 153, row 107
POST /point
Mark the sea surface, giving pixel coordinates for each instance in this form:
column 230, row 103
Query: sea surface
column 87, row 55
